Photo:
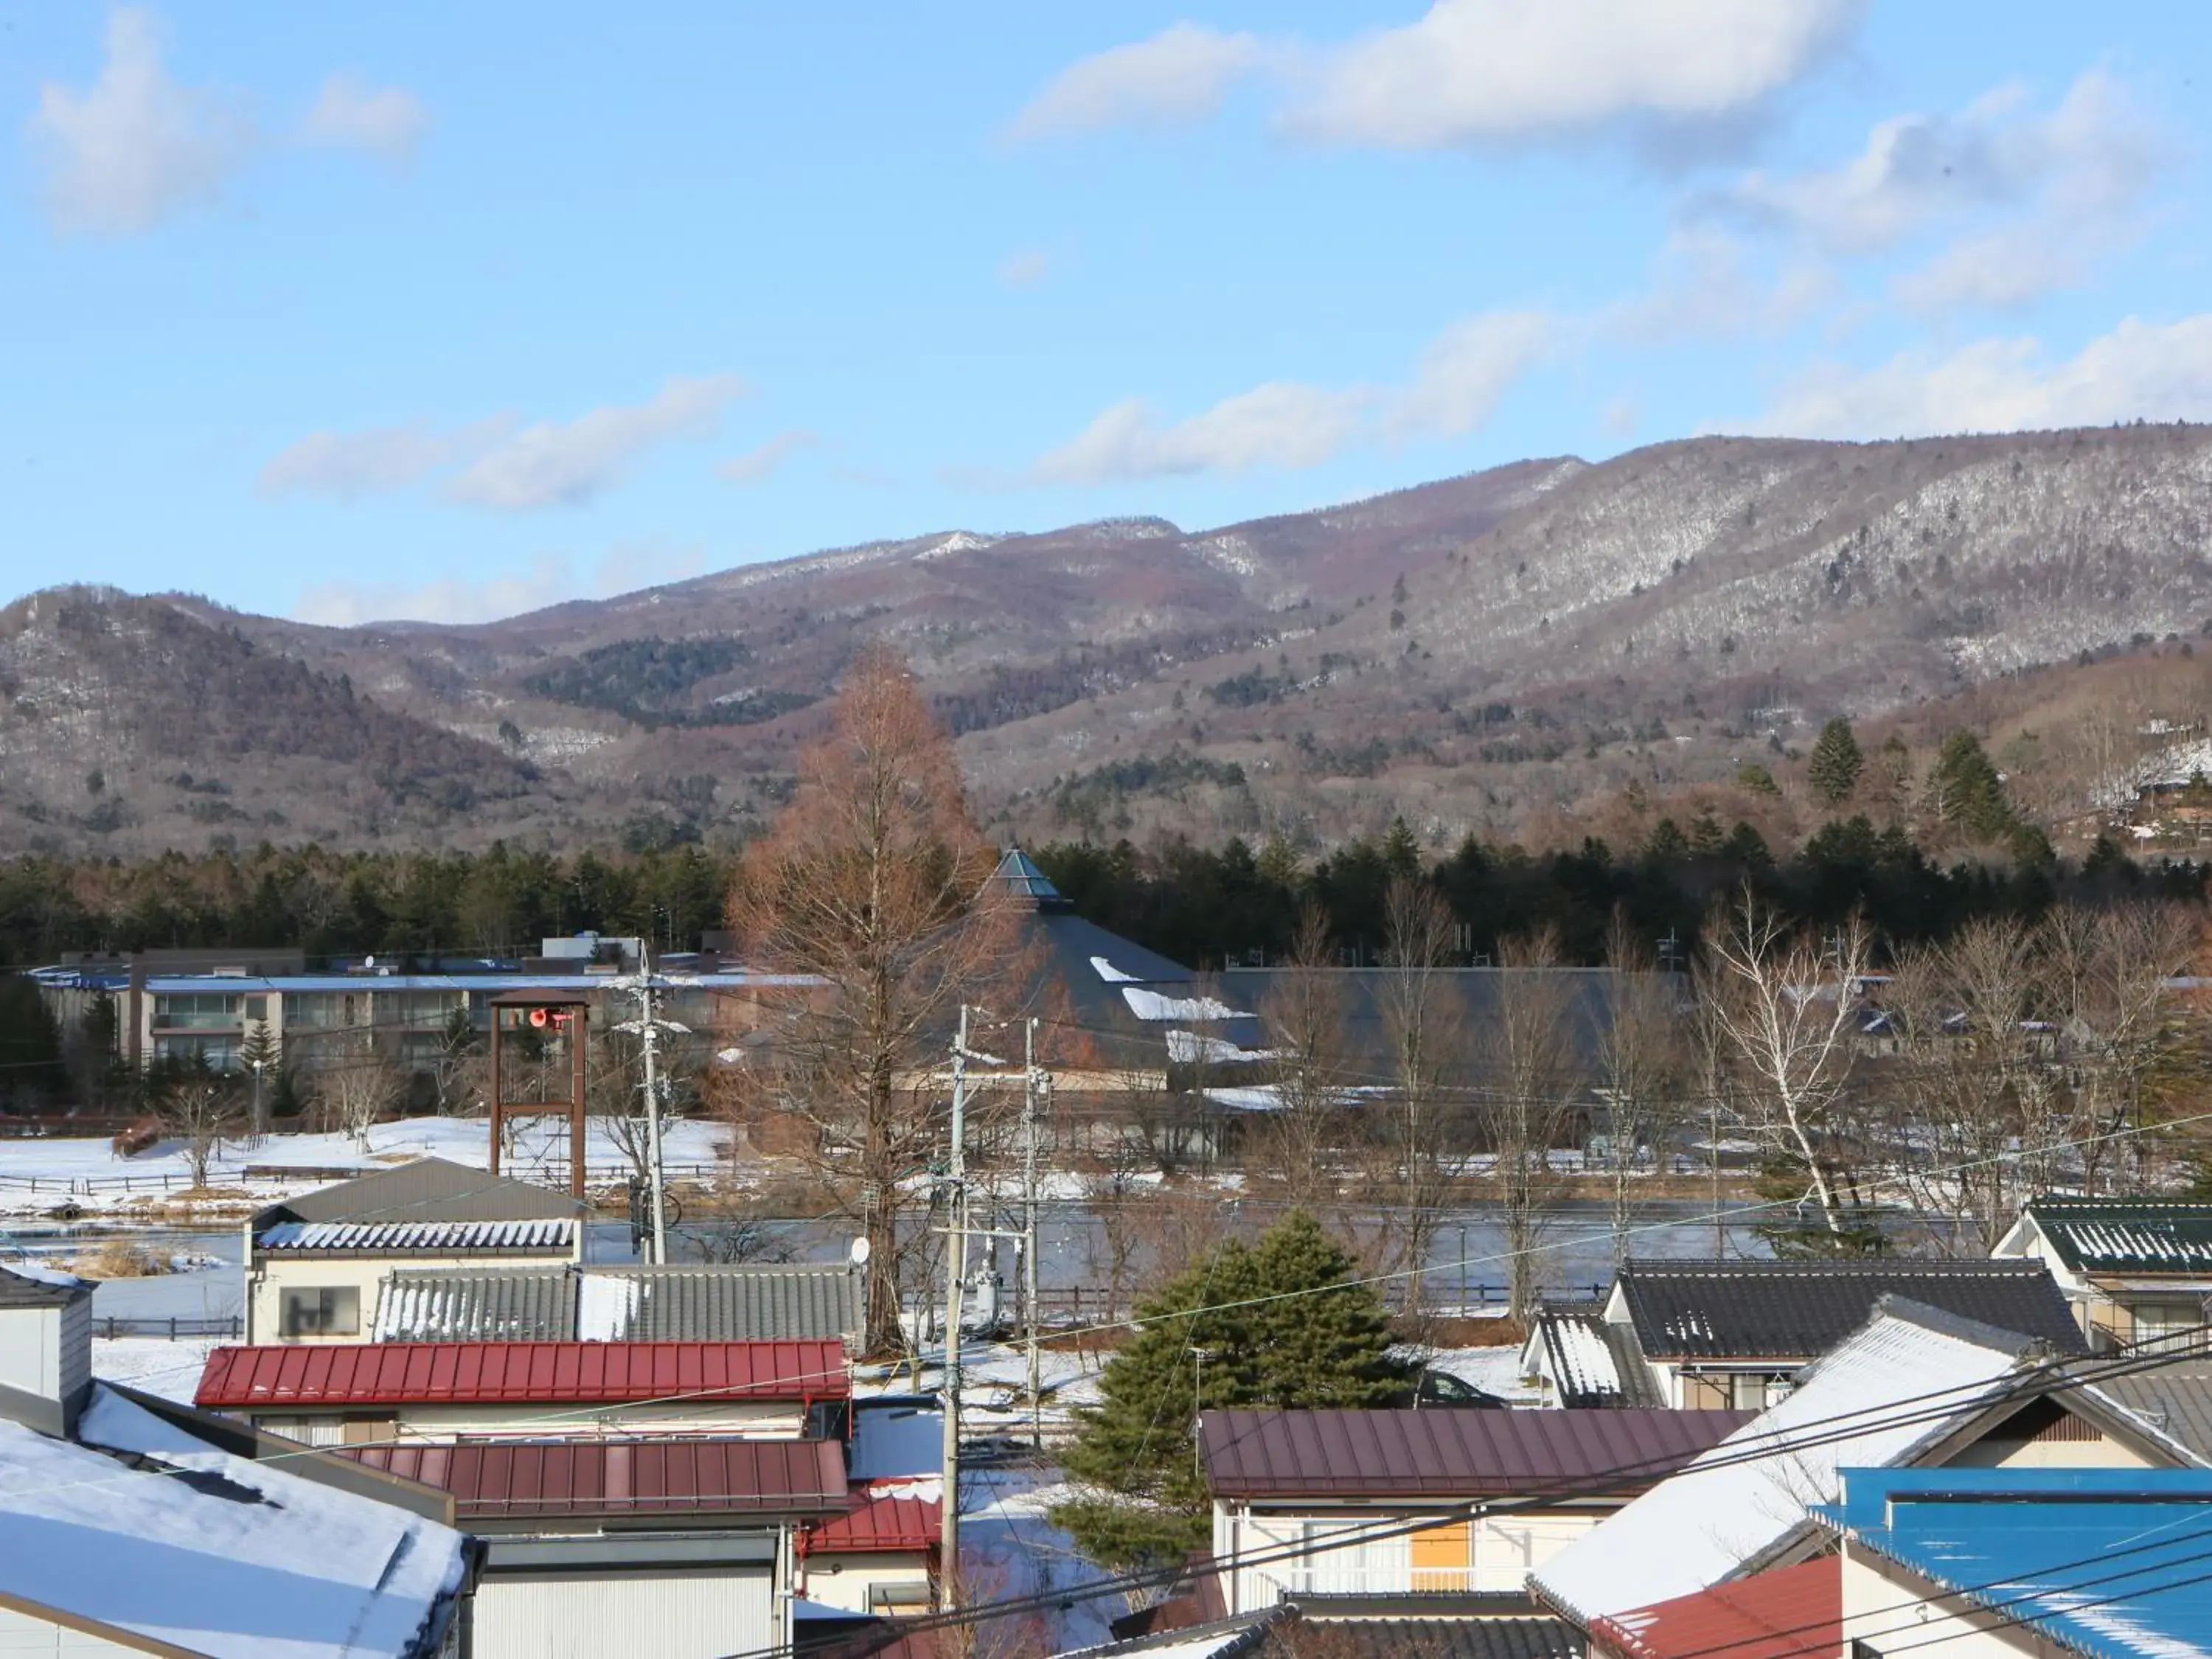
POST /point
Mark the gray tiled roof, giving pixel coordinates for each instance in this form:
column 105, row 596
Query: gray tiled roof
column 427, row 1190
column 2131, row 1235
column 1593, row 1361
column 1414, row 1638
column 739, row 1303
column 522, row 1304
column 1797, row 1310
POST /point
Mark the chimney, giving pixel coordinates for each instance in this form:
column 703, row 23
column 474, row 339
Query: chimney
column 45, row 1347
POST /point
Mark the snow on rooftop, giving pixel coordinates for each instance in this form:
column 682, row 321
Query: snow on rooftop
column 1198, row 1048
column 1151, row 1005
column 410, row 1236
column 607, row 1306
column 1107, row 971
column 1585, row 1358
column 38, row 1275
column 243, row 1560
column 1732, row 1505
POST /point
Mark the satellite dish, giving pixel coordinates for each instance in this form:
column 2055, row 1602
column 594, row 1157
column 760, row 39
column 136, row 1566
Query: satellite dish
column 368, row 962
column 860, row 1252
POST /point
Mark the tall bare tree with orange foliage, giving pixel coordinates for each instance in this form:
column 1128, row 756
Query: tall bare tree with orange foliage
column 874, row 880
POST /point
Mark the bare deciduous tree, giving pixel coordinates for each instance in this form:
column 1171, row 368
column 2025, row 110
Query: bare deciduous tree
column 1786, row 1003
column 202, row 1109
column 1424, row 1023
column 1303, row 1014
column 1642, row 1063
column 1533, row 1080
column 355, row 1093
column 874, row 880
column 2108, row 977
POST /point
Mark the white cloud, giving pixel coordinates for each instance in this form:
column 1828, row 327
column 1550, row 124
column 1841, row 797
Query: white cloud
column 135, row 146
column 755, row 465
column 351, row 115
column 1281, row 424
column 1470, row 71
column 1486, row 72
column 1706, row 285
column 1457, row 381
column 1026, row 268
column 2032, row 197
column 557, row 463
column 350, row 464
column 1180, row 75
column 1465, row 370
column 551, row 579
column 2148, row 371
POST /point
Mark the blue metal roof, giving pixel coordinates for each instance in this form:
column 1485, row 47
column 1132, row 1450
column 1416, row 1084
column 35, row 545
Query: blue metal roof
column 2116, row 1563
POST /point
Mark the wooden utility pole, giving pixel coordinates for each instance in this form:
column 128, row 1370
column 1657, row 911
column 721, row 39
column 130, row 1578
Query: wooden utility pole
column 1033, row 1085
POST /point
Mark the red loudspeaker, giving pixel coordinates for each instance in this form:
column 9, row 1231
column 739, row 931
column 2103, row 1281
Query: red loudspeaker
column 538, row 1018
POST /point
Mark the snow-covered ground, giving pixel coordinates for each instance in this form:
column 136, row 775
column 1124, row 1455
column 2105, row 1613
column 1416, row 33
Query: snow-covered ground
column 37, row 1174
column 170, row 1369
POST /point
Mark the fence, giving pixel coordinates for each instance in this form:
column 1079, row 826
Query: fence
column 228, row 1330
column 1077, row 1305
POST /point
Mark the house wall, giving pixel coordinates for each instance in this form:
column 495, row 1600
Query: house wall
column 26, row 1634
column 47, row 1351
column 2101, row 1452
column 274, row 1272
column 1890, row 1610
column 1717, row 1387
column 849, row 1581
column 669, row 1614
column 1489, row 1553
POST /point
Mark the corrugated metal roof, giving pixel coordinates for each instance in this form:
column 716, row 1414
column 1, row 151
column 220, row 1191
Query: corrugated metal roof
column 470, row 1305
column 1447, row 1454
column 1797, row 1309
column 427, row 1237
column 518, row 1480
column 872, row 1525
column 2174, row 1400
column 1310, row 1637
column 2110, row 1235
column 739, row 1303
column 1793, row 1612
column 294, row 1375
column 1734, row 1507
column 427, row 1190
column 2108, row 1563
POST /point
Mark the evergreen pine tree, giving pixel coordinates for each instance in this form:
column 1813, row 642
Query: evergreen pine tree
column 1836, row 763
column 1965, row 789
column 1401, row 853
column 1253, row 1326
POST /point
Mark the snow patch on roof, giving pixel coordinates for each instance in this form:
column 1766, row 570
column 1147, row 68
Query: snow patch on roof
column 1107, row 971
column 606, row 1306
column 1151, row 1005
column 1197, row 1048
column 264, row 1565
column 1585, row 1359
column 409, row 1237
column 1691, row 1532
column 38, row 1275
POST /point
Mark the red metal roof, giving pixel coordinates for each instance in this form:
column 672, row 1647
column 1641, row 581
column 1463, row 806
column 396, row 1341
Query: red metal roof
column 309, row 1376
column 1449, row 1454
column 1793, row 1612
column 496, row 1479
column 871, row 1524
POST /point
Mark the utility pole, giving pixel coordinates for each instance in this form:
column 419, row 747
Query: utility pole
column 655, row 1175
column 1713, row 1154
column 956, row 1270
column 1032, row 1085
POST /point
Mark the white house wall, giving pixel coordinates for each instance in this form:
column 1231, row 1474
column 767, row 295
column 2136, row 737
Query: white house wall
column 23, row 1635
column 276, row 1271
column 850, row 1581
column 597, row 1615
column 1888, row 1609
column 1503, row 1549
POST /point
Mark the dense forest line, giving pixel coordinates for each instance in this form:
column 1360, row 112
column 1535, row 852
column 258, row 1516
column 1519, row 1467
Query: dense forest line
column 1204, row 906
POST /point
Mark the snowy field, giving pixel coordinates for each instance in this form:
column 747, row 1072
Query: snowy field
column 38, row 1174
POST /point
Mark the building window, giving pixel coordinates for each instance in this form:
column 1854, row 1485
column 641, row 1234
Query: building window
column 333, row 1311
column 197, row 1010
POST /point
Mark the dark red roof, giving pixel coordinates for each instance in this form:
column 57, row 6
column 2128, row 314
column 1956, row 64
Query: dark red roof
column 1793, row 1612
column 518, row 1373
column 871, row 1524
column 496, row 1479
column 1450, row 1454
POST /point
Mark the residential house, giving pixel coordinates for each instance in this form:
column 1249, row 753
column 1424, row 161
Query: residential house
column 1707, row 1334
column 372, row 1393
column 2135, row 1271
column 316, row 1264
column 1914, row 1387
column 1983, row 1564
column 131, row 1525
column 671, row 1545
column 880, row 1557
column 1791, row 1612
column 735, row 1301
column 1308, row 1486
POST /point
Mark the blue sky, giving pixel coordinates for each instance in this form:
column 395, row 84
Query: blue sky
column 355, row 311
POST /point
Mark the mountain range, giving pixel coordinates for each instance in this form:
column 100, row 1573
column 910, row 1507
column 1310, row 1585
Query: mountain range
column 1475, row 653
